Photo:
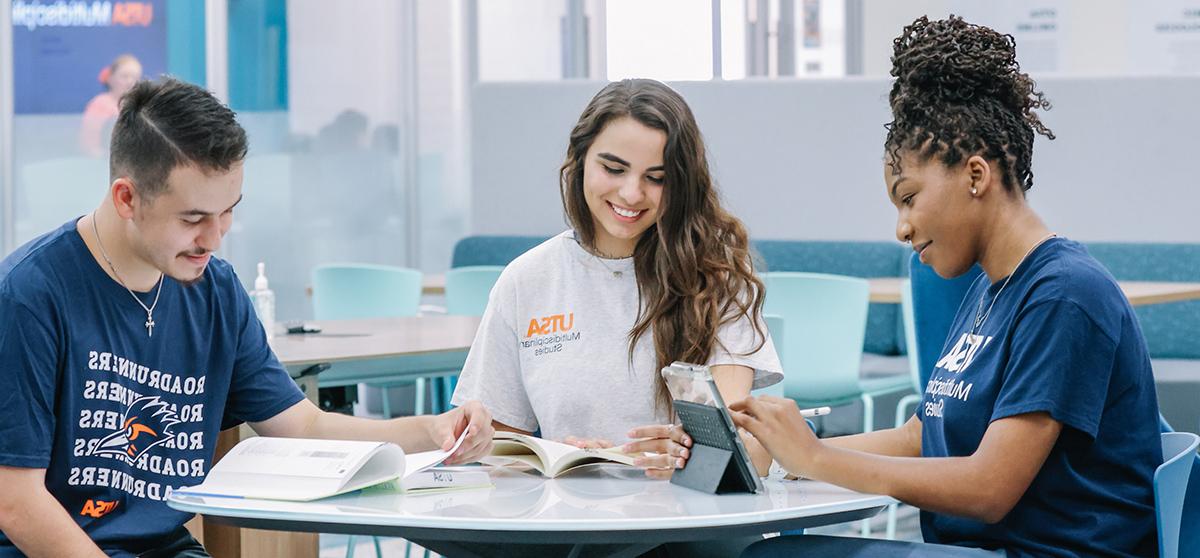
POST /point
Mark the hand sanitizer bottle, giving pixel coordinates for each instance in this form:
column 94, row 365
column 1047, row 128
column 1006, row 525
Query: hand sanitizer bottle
column 264, row 301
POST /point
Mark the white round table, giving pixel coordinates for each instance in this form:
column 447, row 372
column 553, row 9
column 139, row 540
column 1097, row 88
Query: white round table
column 596, row 505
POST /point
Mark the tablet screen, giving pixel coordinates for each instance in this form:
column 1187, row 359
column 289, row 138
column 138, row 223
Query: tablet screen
column 694, row 384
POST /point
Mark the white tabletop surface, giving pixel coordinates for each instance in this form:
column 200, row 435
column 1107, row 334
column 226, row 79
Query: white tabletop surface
column 598, row 500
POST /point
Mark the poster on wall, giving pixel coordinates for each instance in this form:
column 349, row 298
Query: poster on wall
column 1164, row 37
column 61, row 49
column 1037, row 26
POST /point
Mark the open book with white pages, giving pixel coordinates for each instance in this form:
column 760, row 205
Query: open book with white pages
column 550, row 458
column 301, row 469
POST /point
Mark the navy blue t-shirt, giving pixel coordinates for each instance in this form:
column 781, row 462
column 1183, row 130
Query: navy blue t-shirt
column 1061, row 339
column 116, row 417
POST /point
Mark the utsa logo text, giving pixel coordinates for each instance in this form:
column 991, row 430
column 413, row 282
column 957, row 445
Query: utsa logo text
column 98, row 508
column 551, row 324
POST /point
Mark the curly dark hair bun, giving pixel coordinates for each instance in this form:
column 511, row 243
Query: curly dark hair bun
column 959, row 91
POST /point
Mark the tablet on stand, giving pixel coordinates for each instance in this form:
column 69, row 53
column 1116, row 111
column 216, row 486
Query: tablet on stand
column 719, row 462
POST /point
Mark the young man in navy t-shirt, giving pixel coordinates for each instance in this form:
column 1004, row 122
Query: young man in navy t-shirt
column 127, row 347
column 1037, row 433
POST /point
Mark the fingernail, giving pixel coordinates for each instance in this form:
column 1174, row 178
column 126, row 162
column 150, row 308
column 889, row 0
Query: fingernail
column 629, row 434
column 687, row 441
column 625, row 448
column 679, row 463
column 683, row 453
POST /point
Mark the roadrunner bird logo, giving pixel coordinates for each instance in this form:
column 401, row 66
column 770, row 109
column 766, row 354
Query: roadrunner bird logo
column 146, row 423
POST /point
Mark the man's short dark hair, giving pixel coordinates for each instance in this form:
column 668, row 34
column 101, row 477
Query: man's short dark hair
column 167, row 123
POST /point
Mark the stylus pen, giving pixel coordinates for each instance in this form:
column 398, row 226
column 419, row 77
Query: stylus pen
column 815, row 412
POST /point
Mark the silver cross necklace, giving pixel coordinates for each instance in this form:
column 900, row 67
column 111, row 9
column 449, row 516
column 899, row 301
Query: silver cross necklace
column 149, row 309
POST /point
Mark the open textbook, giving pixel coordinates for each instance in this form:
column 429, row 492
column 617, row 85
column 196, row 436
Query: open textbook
column 549, row 458
column 302, row 469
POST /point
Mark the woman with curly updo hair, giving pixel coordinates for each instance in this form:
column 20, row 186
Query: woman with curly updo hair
column 1038, row 433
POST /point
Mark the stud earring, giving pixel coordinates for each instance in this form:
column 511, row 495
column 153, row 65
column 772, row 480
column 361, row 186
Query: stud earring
column 974, row 192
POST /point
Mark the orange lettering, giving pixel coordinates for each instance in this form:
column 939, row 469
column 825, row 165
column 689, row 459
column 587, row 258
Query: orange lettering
column 129, row 14
column 550, row 324
column 98, row 508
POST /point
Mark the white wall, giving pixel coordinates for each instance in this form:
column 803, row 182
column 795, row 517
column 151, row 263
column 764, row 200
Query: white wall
column 802, row 159
column 520, row 39
column 342, row 56
column 1093, row 37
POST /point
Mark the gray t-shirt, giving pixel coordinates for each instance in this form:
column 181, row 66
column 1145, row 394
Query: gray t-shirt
column 552, row 351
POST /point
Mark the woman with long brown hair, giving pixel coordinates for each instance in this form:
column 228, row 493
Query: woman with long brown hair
column 653, row 270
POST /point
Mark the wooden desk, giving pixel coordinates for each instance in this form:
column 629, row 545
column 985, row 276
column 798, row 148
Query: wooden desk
column 887, row 290
column 430, row 285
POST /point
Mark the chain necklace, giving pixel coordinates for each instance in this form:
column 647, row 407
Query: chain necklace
column 979, row 320
column 149, row 309
column 600, row 257
column 616, row 273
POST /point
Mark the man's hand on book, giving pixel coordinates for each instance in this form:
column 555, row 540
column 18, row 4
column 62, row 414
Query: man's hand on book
column 667, row 443
column 476, row 420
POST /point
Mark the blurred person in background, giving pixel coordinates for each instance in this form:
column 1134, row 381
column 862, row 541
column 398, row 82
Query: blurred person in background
column 117, row 78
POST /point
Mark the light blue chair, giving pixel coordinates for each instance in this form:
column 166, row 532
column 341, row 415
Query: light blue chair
column 1189, row 539
column 1170, row 490
column 468, row 288
column 935, row 301
column 354, row 291
column 914, row 366
column 914, row 374
column 822, row 344
column 826, row 320
column 467, row 292
column 775, row 326
column 928, row 304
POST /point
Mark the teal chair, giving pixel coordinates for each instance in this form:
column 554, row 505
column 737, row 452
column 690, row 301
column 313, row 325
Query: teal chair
column 468, row 288
column 467, row 292
column 353, row 291
column 775, row 328
column 822, row 346
column 914, row 375
column 826, row 317
column 1170, row 490
column 914, row 363
column 1189, row 539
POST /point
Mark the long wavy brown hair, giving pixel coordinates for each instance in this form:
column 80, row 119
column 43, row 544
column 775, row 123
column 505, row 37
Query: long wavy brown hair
column 693, row 265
